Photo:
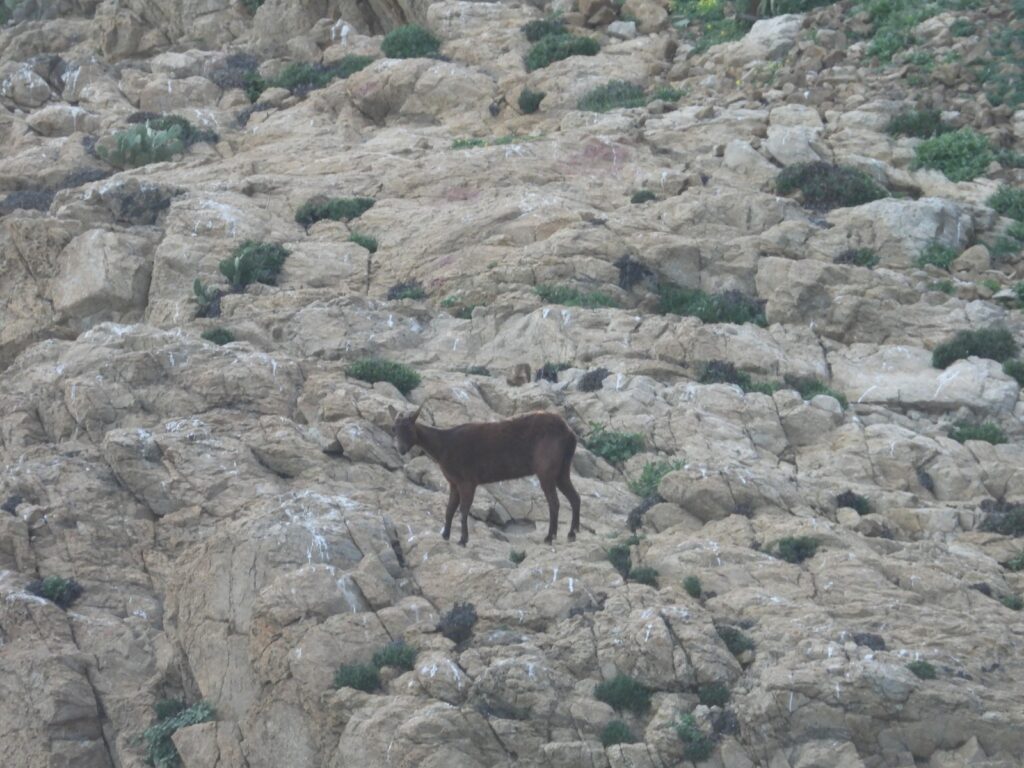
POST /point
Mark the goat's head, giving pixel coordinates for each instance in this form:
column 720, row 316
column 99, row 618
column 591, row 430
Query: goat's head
column 405, row 430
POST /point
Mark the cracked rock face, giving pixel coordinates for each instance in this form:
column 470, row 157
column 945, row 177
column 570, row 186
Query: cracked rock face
column 243, row 526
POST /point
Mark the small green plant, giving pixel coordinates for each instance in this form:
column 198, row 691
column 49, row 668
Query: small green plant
column 1003, row 517
column 554, row 48
column 653, row 471
column 253, row 262
column 367, row 242
column 987, row 431
column 616, row 732
column 468, row 143
column 1013, row 602
column 713, row 694
column 573, row 297
column 619, row 557
column 728, row 307
column 942, row 286
column 666, row 93
column 529, row 101
column 724, row 372
column 1008, row 201
column 410, row 42
column 58, row 590
column 937, row 255
column 808, row 387
column 252, row 5
column 160, row 750
column 362, row 677
column 549, row 371
column 334, row 208
column 922, row 669
column 616, row 94
column 141, row 145
column 540, row 28
column 990, row 284
column 995, row 343
column 457, row 624
column 962, row 28
column 623, row 692
column 854, row 501
column 858, row 257
column 644, row 575
column 642, row 196
column 960, row 155
column 693, row 587
column 207, row 299
column 373, row 369
column 1015, row 370
column 919, row 123
column 824, row 186
column 409, row 289
column 189, row 133
column 592, row 381
column 697, row 744
column 300, row 78
column 613, row 447
column 517, row 556
column 795, row 549
column 737, row 642
column 396, row 654
column 1015, row 563
column 219, row 336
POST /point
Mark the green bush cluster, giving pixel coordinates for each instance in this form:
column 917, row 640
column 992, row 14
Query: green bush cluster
column 1008, row 201
column 395, row 654
column 457, row 624
column 540, row 28
column 549, row 371
column 858, row 257
column 713, row 694
column 218, row 336
column 554, row 48
column 623, row 692
column 616, row 94
column 995, row 343
column 374, row 369
column 644, row 575
column 333, row 208
column 619, row 557
column 616, row 732
column 825, row 185
column 922, row 669
column 1015, row 563
column 642, row 196
column 253, row 261
column 855, row 501
column 362, row 677
column 517, row 556
column 1013, row 602
column 734, row 639
column 1004, row 518
column 987, row 431
column 207, row 299
column 918, row 123
column 58, row 590
column 935, row 254
column 727, row 307
column 613, row 447
column 650, row 477
column 697, row 744
column 808, row 387
column 693, row 587
column 961, row 155
column 408, row 289
column 366, row 241
column 724, row 372
column 468, row 143
column 795, row 549
column 708, row 23
column 141, row 145
column 173, row 715
column 1015, row 369
column 410, row 42
column 529, row 101
column 574, row 297
column 592, row 381
column 301, row 77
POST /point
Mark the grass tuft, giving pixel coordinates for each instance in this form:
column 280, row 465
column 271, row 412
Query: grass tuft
column 160, row 750
column 529, row 101
column 395, row 654
column 697, row 744
column 936, row 254
column 374, row 369
column 713, row 694
column 619, row 557
column 737, row 642
column 623, row 692
column 333, row 208
column 728, row 307
column 410, row 42
column 922, row 669
column 854, row 501
column 457, row 624
column 647, row 484
column 825, row 186
column 613, row 447
column 362, row 677
column 366, row 241
column 961, row 155
column 573, row 297
column 693, row 587
column 218, row 336
column 554, row 48
column 795, row 549
column 987, row 431
column 58, row 590
column 616, row 732
column 995, row 343
column 253, row 262
column 645, row 575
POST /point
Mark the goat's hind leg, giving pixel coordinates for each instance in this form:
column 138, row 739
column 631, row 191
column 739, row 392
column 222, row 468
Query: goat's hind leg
column 548, row 486
column 466, row 494
column 449, row 513
column 566, row 487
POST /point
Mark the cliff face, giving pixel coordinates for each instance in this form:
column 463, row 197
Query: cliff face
column 769, row 445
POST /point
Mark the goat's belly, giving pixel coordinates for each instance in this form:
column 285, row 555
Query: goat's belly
column 497, row 476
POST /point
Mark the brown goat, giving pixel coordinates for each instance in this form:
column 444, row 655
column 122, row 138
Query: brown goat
column 469, row 455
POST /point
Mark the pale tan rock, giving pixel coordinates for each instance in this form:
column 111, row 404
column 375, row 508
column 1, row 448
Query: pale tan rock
column 651, row 16
column 974, row 259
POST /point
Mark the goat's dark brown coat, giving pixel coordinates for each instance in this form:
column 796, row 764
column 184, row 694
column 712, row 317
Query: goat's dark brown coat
column 469, row 455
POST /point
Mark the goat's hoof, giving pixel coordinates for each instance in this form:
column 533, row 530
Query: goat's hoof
column 462, row 542
column 446, row 535
column 572, row 536
column 549, row 539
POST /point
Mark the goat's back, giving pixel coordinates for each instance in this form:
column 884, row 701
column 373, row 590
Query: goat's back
column 536, row 443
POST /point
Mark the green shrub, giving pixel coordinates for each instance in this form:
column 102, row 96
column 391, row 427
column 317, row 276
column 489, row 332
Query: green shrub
column 858, row 257
column 988, row 432
column 697, row 744
column 693, row 587
column 253, row 262
column 301, row 78
column 457, row 624
column 1019, row 290
column 616, row 94
column 1002, row 517
column 642, row 196
column 665, row 93
column 616, row 732
column 592, row 381
column 727, row 307
column 219, row 336
column 623, row 692
column 207, row 299
column 141, row 145
column 409, row 289
column 374, row 369
column 367, row 242
column 919, row 123
column 410, row 42
column 995, row 343
column 1013, row 602
column 554, row 48
column 549, row 371
column 737, row 642
column 854, row 501
column 1008, row 201
column 540, row 28
column 573, row 297
column 529, row 101
column 644, row 575
column 334, row 208
column 161, row 123
column 961, row 155
column 619, row 557
column 808, row 387
column 613, row 447
column 795, row 549
column 362, row 677
column 962, row 28
column 922, row 669
column 1015, row 369
column 478, row 370
column 252, row 5
column 160, row 750
column 1015, row 563
column 713, row 694
column 468, row 143
column 517, row 556
column 653, row 471
column 723, row 372
column 395, row 654
column 58, row 590
column 937, row 255
column 825, row 186
column 942, row 286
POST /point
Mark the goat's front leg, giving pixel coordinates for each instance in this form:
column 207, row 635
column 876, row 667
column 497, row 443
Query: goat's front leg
column 449, row 513
column 466, row 494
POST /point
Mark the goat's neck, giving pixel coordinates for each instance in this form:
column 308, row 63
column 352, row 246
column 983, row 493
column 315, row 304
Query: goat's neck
column 431, row 441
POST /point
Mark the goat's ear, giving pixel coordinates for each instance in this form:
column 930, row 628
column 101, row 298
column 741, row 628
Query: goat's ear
column 392, row 413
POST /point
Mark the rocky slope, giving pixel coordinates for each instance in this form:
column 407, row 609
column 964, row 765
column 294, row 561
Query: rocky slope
column 241, row 524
